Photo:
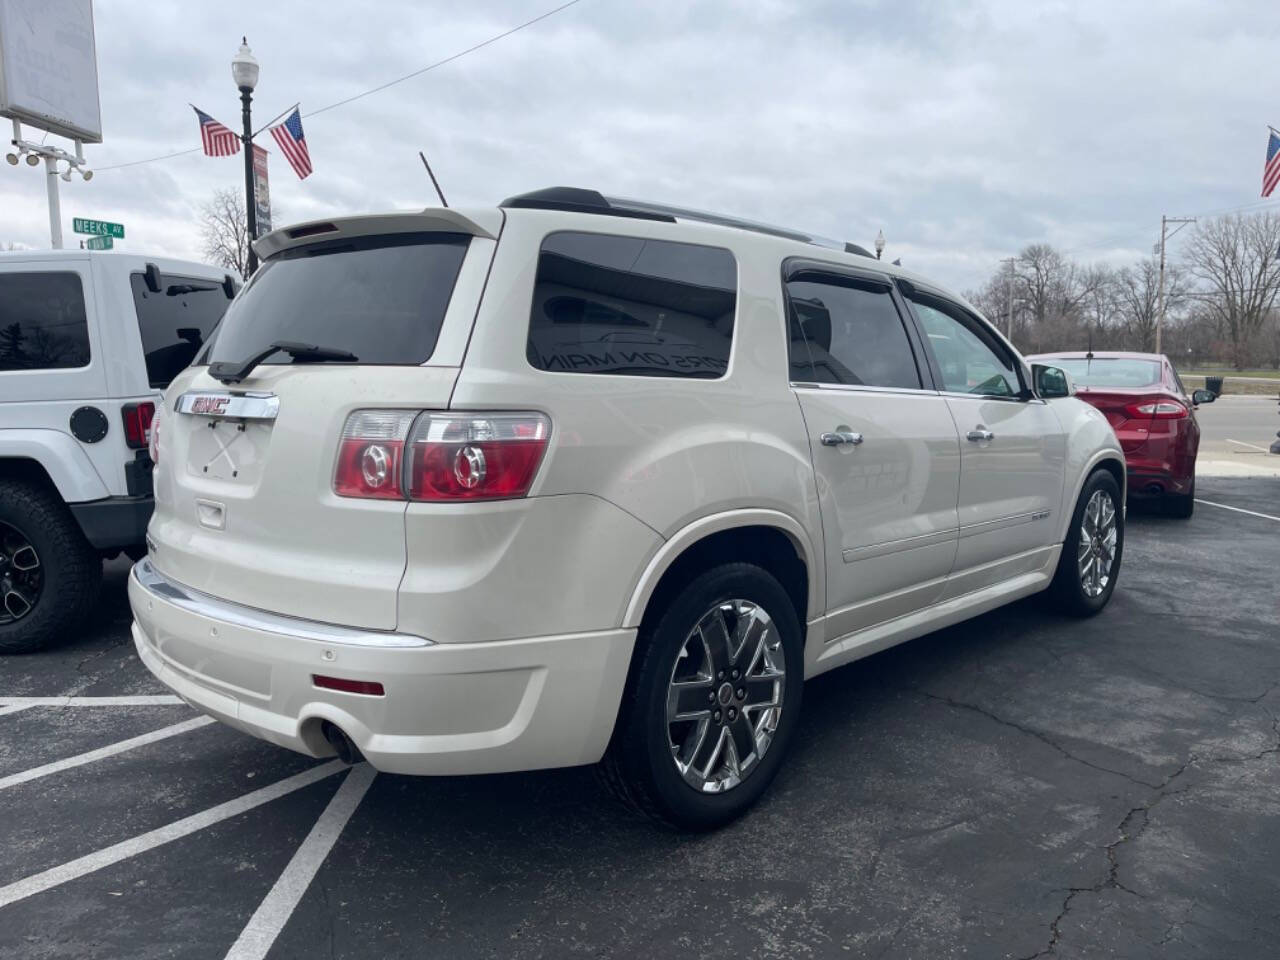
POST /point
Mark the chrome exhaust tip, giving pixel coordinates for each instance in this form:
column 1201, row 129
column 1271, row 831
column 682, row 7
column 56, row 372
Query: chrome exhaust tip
column 346, row 750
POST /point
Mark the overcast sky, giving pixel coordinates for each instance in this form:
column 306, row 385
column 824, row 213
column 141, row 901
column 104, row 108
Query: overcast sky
column 963, row 130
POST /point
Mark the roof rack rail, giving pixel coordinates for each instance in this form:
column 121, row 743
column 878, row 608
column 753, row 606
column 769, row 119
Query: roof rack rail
column 580, row 200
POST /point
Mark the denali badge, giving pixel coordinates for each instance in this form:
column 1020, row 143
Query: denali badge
column 209, row 405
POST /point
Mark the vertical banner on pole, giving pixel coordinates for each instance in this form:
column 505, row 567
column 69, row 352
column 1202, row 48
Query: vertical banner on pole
column 261, row 192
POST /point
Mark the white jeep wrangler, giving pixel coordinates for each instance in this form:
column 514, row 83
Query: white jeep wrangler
column 580, row 478
column 87, row 341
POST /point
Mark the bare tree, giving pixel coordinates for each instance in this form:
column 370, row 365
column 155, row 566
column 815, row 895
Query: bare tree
column 224, row 229
column 1138, row 300
column 1100, row 285
column 1238, row 259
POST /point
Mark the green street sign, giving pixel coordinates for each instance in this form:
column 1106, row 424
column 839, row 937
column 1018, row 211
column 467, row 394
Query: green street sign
column 100, row 228
column 99, row 243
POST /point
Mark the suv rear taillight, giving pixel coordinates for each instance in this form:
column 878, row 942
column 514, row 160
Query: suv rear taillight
column 1158, row 408
column 370, row 456
column 475, row 456
column 153, row 441
column 137, row 423
column 437, row 456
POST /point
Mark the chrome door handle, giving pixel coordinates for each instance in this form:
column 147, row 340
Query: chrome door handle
column 839, row 437
column 982, row 433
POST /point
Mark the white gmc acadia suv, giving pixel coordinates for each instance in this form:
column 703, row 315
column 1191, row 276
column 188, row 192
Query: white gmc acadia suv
column 581, row 478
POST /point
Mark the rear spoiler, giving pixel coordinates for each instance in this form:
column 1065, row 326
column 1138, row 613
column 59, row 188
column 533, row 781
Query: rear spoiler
column 477, row 223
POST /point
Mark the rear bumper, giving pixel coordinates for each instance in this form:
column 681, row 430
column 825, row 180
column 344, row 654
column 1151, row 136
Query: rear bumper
column 114, row 522
column 454, row 708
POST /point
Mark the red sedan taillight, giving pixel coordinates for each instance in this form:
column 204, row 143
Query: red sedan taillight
column 1158, row 408
column 439, row 456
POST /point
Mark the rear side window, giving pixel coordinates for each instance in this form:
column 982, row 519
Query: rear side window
column 381, row 298
column 42, row 321
column 632, row 307
column 848, row 331
column 175, row 321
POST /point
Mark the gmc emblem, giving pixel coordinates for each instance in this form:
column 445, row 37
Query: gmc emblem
column 210, row 405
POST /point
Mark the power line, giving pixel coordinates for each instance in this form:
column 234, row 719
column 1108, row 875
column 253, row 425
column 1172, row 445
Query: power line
column 1094, row 244
column 390, row 83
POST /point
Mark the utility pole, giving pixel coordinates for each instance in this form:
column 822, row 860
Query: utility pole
column 1164, row 240
column 1009, row 295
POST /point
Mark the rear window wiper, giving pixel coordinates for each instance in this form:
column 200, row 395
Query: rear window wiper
column 231, row 372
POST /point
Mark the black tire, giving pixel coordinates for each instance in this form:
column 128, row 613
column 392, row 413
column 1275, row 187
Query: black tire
column 70, row 572
column 639, row 767
column 1181, row 505
column 1067, row 590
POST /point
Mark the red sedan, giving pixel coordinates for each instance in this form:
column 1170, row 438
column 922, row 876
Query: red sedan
column 1152, row 415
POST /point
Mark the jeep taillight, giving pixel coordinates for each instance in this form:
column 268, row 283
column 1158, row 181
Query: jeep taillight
column 137, row 424
column 475, row 456
column 370, row 454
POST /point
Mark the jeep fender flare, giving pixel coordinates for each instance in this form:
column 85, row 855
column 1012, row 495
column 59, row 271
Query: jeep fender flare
column 691, row 533
column 60, row 456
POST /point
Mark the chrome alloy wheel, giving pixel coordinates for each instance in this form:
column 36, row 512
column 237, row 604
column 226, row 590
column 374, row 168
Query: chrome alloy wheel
column 724, row 700
column 1096, row 548
column 21, row 575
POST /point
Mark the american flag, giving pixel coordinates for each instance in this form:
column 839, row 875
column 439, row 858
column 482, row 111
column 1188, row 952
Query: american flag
column 1271, row 172
column 218, row 140
column 293, row 144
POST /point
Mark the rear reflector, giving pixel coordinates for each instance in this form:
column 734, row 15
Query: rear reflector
column 369, row 688
column 137, row 423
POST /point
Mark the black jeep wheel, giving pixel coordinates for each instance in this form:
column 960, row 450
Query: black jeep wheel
column 49, row 574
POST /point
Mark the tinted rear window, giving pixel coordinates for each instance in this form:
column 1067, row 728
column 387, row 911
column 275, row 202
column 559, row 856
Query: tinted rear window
column 42, row 321
column 632, row 307
column 381, row 298
column 1110, row 371
column 175, row 322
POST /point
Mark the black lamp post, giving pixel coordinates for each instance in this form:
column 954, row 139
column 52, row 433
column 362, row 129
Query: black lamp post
column 244, row 70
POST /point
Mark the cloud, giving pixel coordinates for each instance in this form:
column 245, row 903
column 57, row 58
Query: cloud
column 964, row 131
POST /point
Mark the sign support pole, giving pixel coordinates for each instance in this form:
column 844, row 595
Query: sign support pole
column 55, row 205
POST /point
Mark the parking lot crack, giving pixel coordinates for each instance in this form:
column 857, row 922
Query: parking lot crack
column 1130, row 829
column 1043, row 738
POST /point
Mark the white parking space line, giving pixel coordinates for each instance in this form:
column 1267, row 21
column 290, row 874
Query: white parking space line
column 1252, row 513
column 81, row 866
column 1251, row 446
column 278, row 905
column 157, row 700
column 15, row 708
column 108, row 751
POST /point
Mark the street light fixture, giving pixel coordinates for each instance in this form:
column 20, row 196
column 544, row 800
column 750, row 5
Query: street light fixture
column 879, row 244
column 244, row 71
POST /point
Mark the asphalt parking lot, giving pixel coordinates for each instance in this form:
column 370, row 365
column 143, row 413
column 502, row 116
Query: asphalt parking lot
column 1017, row 786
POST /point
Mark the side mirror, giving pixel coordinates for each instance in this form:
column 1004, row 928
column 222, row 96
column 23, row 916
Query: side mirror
column 1203, row 396
column 1051, row 382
